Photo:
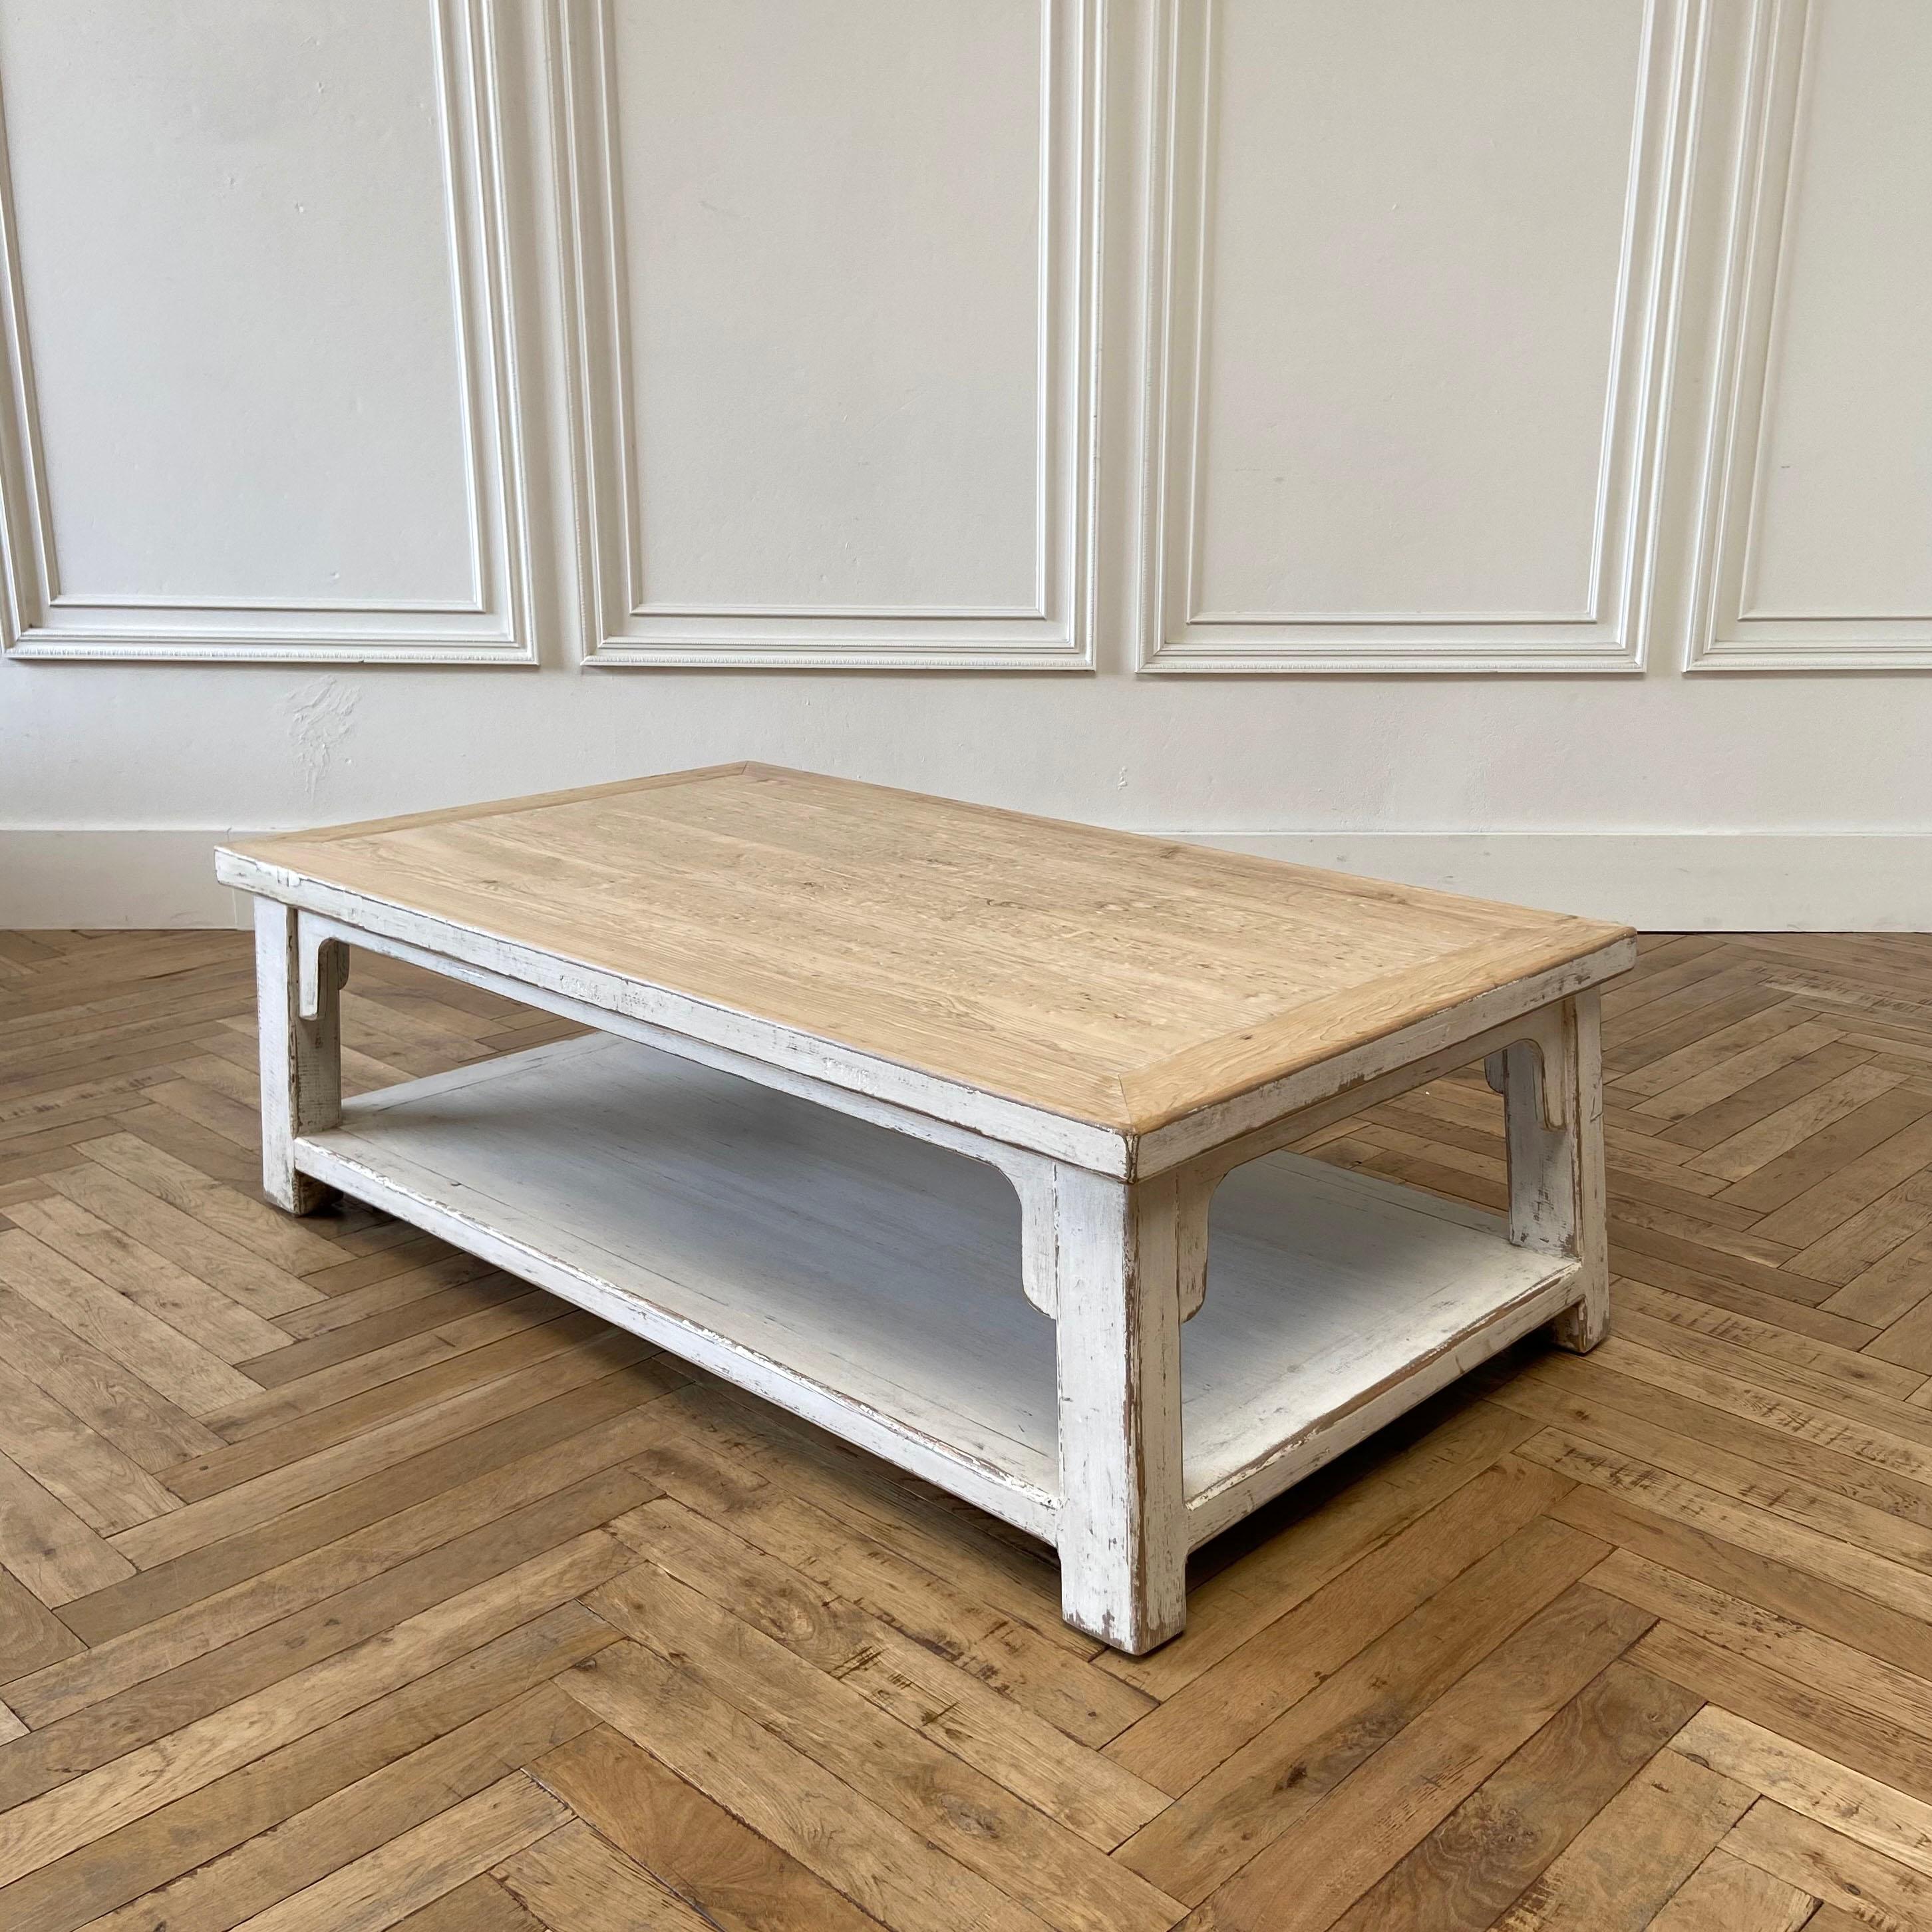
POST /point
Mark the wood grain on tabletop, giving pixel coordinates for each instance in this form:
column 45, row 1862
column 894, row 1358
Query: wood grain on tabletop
column 1122, row 980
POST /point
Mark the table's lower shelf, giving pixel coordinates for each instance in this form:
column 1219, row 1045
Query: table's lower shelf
column 871, row 1282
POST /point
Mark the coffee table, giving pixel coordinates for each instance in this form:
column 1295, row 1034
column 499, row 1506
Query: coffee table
column 961, row 1133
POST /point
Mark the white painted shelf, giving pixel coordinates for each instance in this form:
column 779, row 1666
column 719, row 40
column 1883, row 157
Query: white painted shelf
column 833, row 1265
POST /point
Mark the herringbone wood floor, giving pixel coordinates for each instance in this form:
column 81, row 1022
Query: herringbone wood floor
column 349, row 1584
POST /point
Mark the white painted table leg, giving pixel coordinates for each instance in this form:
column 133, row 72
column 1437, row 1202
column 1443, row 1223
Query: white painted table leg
column 1553, row 1094
column 1119, row 1254
column 300, row 1056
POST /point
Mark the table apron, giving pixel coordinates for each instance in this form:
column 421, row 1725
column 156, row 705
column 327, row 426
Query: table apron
column 1048, row 1138
column 1391, row 1064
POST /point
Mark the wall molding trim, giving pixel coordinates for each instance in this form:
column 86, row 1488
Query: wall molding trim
column 1608, row 633
column 622, row 624
column 1660, row 881
column 1726, row 632
column 495, row 625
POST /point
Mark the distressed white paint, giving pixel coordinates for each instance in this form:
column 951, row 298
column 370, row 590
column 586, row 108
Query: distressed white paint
column 812, row 1197
column 1122, row 1529
column 1552, row 1082
column 871, row 1281
column 942, row 1110
column 1748, row 802
column 301, row 1052
column 1580, row 1149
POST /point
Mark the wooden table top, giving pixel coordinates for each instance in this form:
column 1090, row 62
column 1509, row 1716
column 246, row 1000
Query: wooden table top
column 1122, row 981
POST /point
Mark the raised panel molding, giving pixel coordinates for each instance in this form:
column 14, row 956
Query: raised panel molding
column 624, row 622
column 1730, row 629
column 43, row 619
column 1606, row 629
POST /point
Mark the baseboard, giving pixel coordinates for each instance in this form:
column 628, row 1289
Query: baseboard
column 1657, row 881
column 1661, row 881
column 69, row 881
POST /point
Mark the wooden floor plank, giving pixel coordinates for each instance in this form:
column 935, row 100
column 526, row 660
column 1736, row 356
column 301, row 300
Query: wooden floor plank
column 1793, row 1128
column 340, row 1382
column 1698, row 1261
column 1057, row 1683
column 278, row 1491
column 129, row 1787
column 579, row 1882
column 1586, row 1771
column 358, row 1820
column 1321, row 1532
column 1795, row 1543
column 1807, row 1782
column 936, row 1532
column 1629, row 1861
column 1801, row 1714
column 165, row 1640
column 386, row 1303
column 1759, row 1334
column 1725, row 1895
column 47, row 1545
column 246, row 1222
column 1378, row 1814
column 1580, row 1397
column 1207, row 1720
column 1889, row 1288
column 1721, row 1064
column 1724, row 1119
column 483, row 1905
column 108, row 1490
column 787, row 1798
column 1779, row 1643
column 728, row 1874
column 201, row 1860
column 219, row 1159
column 1032, row 1860
column 187, row 1580
column 374, row 1891
column 173, row 1363
column 1268, row 1788
column 1083, row 1789
column 1890, row 1435
column 244, row 1276
column 531, row 1330
column 206, row 1685
column 1872, row 1890
column 227, row 1329
column 31, row 1637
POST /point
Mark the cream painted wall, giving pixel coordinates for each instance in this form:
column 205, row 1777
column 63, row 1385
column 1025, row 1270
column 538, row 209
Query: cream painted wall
column 1333, row 426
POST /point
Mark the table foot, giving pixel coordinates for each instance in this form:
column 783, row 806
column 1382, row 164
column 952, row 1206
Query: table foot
column 300, row 1055
column 1552, row 1084
column 1123, row 1537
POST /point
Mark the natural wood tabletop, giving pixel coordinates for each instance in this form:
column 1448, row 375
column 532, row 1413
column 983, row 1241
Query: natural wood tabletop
column 1122, row 981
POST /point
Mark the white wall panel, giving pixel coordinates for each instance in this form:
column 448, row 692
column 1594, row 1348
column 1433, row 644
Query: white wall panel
column 1818, row 537
column 832, row 265
column 1412, row 293
column 257, row 333
column 1478, row 312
